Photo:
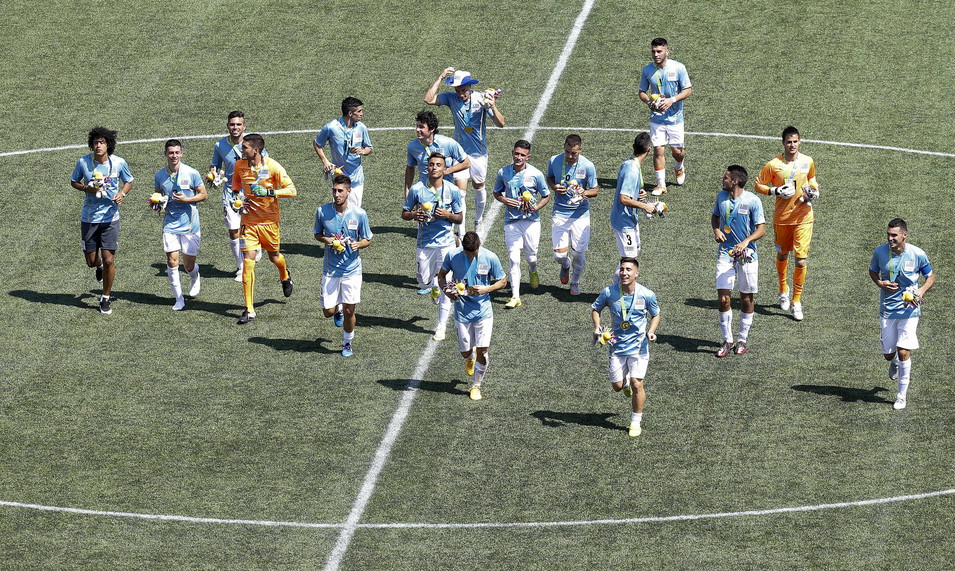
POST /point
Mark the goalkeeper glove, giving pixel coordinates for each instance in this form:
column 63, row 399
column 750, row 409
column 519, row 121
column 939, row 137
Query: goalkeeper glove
column 785, row 191
column 260, row 190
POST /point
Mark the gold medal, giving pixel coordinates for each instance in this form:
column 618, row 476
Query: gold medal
column 625, row 325
column 469, row 129
column 727, row 229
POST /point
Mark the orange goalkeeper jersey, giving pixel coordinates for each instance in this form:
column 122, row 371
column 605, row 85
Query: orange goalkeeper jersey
column 270, row 174
column 777, row 172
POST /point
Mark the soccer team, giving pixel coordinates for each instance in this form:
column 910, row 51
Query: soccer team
column 454, row 269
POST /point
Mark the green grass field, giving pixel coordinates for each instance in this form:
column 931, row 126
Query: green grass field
column 147, row 411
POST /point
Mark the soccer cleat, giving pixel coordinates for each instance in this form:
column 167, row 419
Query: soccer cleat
column 564, row 274
column 513, row 302
column 797, row 310
column 893, row 370
column 339, row 318
column 680, row 175
column 475, row 392
column 635, row 429
column 469, row 366
column 574, row 289
column 246, row 317
column 99, row 273
column 535, row 280
column 740, row 348
column 180, row 303
column 628, row 390
column 658, row 191
column 435, row 293
column 104, row 307
column 784, row 301
column 287, row 285
column 194, row 288
column 724, row 349
column 439, row 334
column 424, row 291
column 346, row 350
column 238, row 274
column 899, row 403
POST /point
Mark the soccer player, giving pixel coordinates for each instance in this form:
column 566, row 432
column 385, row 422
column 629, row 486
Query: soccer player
column 664, row 84
column 635, row 316
column 182, row 187
column 435, row 205
column 225, row 153
column 896, row 267
column 105, row 179
column 349, row 141
column 479, row 271
column 791, row 178
column 344, row 229
column 263, row 181
column 522, row 188
column 574, row 179
column 737, row 221
column 427, row 141
column 469, row 112
column 630, row 200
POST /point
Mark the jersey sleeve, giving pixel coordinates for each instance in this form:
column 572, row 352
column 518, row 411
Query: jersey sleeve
column 591, row 175
column 497, row 270
column 601, row 301
column 216, row 157
column 364, row 230
column 457, row 151
column 410, row 201
column 629, row 186
column 925, row 267
column 542, row 184
column 456, row 200
column 644, row 81
column 365, row 138
column 653, row 307
column 319, row 228
column 79, row 173
column 765, row 179
column 499, row 187
column 411, row 161
column 446, row 262
column 322, row 137
column 757, row 215
column 444, row 98
column 552, row 169
column 811, row 176
column 683, row 78
column 125, row 174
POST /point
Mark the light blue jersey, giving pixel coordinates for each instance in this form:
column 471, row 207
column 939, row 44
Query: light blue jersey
column 354, row 226
column 436, row 233
column 485, row 269
column 637, row 310
column 904, row 270
column 418, row 155
column 340, row 139
column 115, row 173
column 583, row 172
column 224, row 156
column 180, row 217
column 629, row 184
column 741, row 215
column 668, row 82
column 513, row 185
column 468, row 114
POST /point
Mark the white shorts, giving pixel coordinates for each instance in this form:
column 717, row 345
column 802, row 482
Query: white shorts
column 628, row 242
column 429, row 264
column 336, row 290
column 232, row 218
column 477, row 171
column 475, row 334
column 899, row 334
column 188, row 244
column 730, row 275
column 354, row 198
column 572, row 231
column 523, row 234
column 662, row 135
column 623, row 367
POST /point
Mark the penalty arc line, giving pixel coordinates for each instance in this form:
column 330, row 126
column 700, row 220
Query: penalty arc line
column 397, row 421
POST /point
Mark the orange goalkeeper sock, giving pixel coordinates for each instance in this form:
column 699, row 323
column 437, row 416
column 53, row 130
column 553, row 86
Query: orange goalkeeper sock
column 782, row 267
column 248, row 282
column 283, row 269
column 799, row 278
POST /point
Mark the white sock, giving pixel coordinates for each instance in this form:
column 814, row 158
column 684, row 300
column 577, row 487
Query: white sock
column 194, row 280
column 480, row 370
column 236, row 248
column 532, row 263
column 580, row 260
column 173, row 274
column 347, row 336
column 514, row 256
column 444, row 308
column 636, row 418
column 745, row 322
column 726, row 325
column 905, row 372
column 661, row 177
column 678, row 166
column 480, row 202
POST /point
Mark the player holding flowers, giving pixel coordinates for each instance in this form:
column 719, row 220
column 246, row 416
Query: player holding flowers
column 635, row 316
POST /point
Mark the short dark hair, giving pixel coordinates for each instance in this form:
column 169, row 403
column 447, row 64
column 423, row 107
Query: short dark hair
column 471, row 241
column 255, row 141
column 641, row 144
column 789, row 131
column 523, row 144
column 659, row 42
column 629, row 260
column 428, row 118
column 102, row 133
column 436, row 155
column 573, row 140
column 342, row 179
column 349, row 104
column 898, row 223
column 173, row 143
column 739, row 174
column 236, row 114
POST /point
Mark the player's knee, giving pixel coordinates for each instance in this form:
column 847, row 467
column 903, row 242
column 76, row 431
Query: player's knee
column 801, row 262
column 348, row 309
column 328, row 311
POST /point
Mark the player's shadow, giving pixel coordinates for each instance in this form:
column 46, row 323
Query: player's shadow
column 687, row 344
column 205, row 271
column 67, row 299
column 410, row 231
column 562, row 293
column 554, row 419
column 312, row 250
column 846, row 394
column 393, row 323
column 299, row 345
column 394, row 280
column 607, row 183
column 192, row 304
column 713, row 305
column 448, row 387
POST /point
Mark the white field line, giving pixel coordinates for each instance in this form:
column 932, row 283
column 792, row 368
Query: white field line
column 384, row 449
column 477, row 525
